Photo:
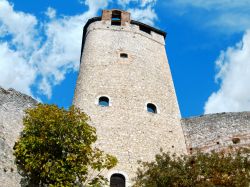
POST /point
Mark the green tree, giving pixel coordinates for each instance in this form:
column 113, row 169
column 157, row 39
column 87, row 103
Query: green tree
column 55, row 149
column 210, row 169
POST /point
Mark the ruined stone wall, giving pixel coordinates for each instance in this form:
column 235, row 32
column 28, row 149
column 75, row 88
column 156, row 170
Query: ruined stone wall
column 217, row 131
column 12, row 106
column 125, row 128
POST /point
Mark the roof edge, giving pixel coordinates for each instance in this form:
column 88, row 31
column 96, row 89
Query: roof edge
column 94, row 19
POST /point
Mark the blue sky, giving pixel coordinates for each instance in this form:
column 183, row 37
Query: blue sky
column 208, row 47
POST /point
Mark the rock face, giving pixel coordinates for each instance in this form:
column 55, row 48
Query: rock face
column 217, row 131
column 12, row 106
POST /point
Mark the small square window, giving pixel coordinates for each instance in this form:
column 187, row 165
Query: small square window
column 124, row 55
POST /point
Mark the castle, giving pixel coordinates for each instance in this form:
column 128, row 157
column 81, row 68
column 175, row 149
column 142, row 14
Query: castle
column 125, row 86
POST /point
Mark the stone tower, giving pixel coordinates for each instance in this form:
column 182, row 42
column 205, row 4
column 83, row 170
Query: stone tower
column 125, row 86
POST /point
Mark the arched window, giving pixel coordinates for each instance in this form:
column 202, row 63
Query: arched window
column 103, row 101
column 117, row 180
column 151, row 108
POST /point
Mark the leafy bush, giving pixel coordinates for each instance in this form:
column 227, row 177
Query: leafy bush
column 214, row 169
column 55, row 149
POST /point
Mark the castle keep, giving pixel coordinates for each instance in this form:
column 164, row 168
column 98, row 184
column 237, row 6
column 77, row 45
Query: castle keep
column 125, row 86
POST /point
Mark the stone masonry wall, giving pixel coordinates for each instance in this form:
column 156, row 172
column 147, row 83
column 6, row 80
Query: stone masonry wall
column 125, row 128
column 217, row 131
column 12, row 106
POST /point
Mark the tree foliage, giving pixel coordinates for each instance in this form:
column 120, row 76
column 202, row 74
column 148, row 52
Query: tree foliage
column 213, row 169
column 55, row 149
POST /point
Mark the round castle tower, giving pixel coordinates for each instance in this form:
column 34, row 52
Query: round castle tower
column 125, row 86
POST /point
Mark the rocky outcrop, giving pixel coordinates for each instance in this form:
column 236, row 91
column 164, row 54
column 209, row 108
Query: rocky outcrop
column 12, row 106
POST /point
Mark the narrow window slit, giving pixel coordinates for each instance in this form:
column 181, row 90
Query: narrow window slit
column 124, row 55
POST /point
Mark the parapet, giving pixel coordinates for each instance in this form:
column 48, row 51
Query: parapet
column 216, row 132
column 120, row 20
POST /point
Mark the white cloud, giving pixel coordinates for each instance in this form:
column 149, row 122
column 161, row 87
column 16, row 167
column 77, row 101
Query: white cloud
column 39, row 53
column 15, row 72
column 226, row 15
column 231, row 22
column 213, row 4
column 19, row 25
column 124, row 3
column 143, row 12
column 147, row 2
column 146, row 15
column 234, row 76
column 51, row 12
column 95, row 5
column 141, row 3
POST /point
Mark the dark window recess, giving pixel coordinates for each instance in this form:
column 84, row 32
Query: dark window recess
column 124, row 55
column 145, row 29
column 116, row 18
column 151, row 108
column 104, row 101
column 117, row 180
column 236, row 140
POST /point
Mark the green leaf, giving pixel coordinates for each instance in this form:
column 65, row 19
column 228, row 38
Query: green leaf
column 55, row 148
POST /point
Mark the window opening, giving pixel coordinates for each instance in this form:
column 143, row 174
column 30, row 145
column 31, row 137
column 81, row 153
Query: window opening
column 116, row 18
column 145, row 29
column 124, row 55
column 236, row 140
column 117, row 180
column 151, row 108
column 104, row 101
